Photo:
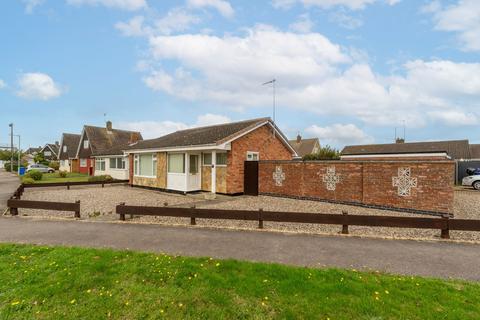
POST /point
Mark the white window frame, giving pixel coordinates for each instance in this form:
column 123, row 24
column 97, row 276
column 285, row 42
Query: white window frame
column 203, row 159
column 98, row 163
column 116, row 160
column 83, row 163
column 64, row 148
column 251, row 154
column 216, row 159
column 136, row 166
column 47, row 153
column 184, row 164
column 85, row 144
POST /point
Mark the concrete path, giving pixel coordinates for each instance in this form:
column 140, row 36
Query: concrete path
column 436, row 259
column 8, row 184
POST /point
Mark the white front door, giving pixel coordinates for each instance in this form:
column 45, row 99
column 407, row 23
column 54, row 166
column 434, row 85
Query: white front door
column 194, row 178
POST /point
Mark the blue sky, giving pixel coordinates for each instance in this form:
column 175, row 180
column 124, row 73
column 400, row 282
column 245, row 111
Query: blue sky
column 348, row 71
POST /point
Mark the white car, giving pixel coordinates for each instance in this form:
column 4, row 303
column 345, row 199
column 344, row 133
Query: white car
column 40, row 167
column 472, row 181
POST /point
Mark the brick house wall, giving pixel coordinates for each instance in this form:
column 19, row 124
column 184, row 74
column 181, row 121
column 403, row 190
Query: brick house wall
column 260, row 140
column 363, row 182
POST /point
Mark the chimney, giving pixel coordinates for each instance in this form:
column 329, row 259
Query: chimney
column 399, row 140
column 299, row 138
column 134, row 137
column 109, row 125
column 56, row 142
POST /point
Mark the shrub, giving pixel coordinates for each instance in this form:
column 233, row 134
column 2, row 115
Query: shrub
column 28, row 180
column 54, row 165
column 100, row 178
column 7, row 167
column 35, row 175
column 62, row 174
column 325, row 153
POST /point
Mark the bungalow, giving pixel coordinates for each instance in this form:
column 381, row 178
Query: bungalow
column 99, row 150
column 305, row 146
column 50, row 151
column 68, row 148
column 206, row 158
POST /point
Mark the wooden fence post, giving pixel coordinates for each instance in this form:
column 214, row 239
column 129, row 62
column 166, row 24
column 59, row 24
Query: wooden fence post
column 446, row 232
column 192, row 219
column 68, row 186
column 13, row 211
column 122, row 215
column 260, row 218
column 77, row 213
column 345, row 225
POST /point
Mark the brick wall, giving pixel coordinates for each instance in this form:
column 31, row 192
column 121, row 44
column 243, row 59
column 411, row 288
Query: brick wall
column 260, row 140
column 368, row 183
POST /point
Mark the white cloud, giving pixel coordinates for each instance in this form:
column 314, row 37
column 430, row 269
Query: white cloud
column 31, row 4
column 130, row 5
column 327, row 4
column 454, row 118
column 345, row 20
column 2, row 84
column 461, row 18
column 155, row 129
column 313, row 74
column 37, row 86
column 303, row 24
column 223, row 7
column 340, row 134
column 177, row 19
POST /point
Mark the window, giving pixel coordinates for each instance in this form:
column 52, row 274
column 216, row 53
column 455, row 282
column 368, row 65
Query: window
column 64, row 148
column 47, row 153
column 117, row 163
column 85, row 144
column 83, row 162
column 252, row 156
column 221, row 159
column 193, row 164
column 135, row 165
column 62, row 163
column 176, row 163
column 207, row 159
column 100, row 164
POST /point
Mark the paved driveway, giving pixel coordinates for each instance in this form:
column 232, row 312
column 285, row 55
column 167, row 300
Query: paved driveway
column 436, row 259
column 8, row 184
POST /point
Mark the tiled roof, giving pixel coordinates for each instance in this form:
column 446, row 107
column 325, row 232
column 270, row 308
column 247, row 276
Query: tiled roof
column 70, row 140
column 109, row 142
column 456, row 149
column 305, row 146
column 210, row 135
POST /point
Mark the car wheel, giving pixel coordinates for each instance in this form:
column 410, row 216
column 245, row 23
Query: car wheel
column 51, row 171
column 476, row 185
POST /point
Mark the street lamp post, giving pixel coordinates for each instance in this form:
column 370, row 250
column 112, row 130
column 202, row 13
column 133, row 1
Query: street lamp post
column 11, row 147
column 18, row 150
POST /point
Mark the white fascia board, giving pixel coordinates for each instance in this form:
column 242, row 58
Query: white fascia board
column 111, row 156
column 395, row 155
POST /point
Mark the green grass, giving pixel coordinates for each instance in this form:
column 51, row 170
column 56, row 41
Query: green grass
column 38, row 282
column 71, row 177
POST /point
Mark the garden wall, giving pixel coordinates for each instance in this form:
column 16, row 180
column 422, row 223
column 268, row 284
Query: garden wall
column 415, row 186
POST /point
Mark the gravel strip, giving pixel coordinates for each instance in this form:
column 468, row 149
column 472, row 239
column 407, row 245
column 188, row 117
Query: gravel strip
column 99, row 204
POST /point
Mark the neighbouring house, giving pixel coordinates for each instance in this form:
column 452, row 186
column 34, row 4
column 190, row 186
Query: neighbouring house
column 67, row 153
column 50, row 151
column 431, row 150
column 100, row 150
column 33, row 151
column 305, row 146
column 29, row 155
column 206, row 158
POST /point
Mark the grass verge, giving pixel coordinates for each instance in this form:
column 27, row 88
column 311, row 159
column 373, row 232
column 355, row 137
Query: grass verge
column 40, row 282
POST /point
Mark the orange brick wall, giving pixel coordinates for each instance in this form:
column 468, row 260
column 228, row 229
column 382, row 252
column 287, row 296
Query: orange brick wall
column 367, row 183
column 260, row 140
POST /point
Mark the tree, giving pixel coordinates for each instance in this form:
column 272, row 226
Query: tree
column 325, row 153
column 39, row 158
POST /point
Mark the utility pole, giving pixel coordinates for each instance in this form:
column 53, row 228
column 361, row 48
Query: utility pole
column 11, row 147
column 18, row 150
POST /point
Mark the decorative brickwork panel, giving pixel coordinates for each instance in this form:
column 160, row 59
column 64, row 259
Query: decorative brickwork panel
column 411, row 185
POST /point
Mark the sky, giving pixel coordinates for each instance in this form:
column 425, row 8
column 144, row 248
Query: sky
column 346, row 71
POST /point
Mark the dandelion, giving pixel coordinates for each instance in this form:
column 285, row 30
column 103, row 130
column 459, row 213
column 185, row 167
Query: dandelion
column 265, row 280
column 386, row 291
column 89, row 290
column 73, row 301
column 180, row 305
column 266, row 298
column 162, row 311
column 377, row 298
column 418, row 284
column 218, row 264
column 376, row 292
column 127, row 303
column 14, row 303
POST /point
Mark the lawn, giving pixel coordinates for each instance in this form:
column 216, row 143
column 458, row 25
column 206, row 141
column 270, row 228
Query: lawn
column 71, row 177
column 40, row 282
